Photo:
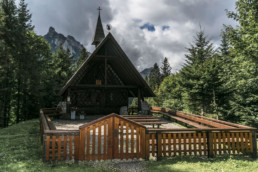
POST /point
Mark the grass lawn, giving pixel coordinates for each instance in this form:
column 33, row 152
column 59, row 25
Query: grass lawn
column 20, row 150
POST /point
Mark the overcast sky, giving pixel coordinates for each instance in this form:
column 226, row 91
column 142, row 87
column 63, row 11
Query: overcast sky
column 147, row 30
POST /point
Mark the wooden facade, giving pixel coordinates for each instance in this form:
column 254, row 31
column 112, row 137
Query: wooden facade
column 106, row 80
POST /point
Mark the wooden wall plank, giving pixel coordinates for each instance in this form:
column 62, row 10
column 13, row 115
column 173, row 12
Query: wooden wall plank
column 159, row 154
column 184, row 142
column 229, row 143
column 237, row 143
column 233, row 143
column 147, row 146
column 250, row 142
column 143, row 138
column 174, row 144
column 65, row 147
column 121, row 139
column 105, row 140
column 190, row 145
column 59, row 148
column 242, row 142
column 153, row 147
column 88, row 145
column 200, row 143
column 205, row 143
column 99, row 141
column 127, row 140
column 194, row 139
column 70, row 147
column 219, row 142
column 169, row 144
column 53, row 147
column 246, row 143
column 110, row 138
column 164, row 145
column 82, row 144
column 224, row 142
column 179, row 143
column 132, row 141
column 116, row 146
column 137, row 142
column 47, row 148
column 94, row 141
column 76, row 147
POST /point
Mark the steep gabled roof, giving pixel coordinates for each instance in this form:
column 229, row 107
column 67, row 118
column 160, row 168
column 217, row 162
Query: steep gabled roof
column 119, row 61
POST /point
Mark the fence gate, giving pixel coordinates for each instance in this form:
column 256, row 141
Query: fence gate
column 112, row 137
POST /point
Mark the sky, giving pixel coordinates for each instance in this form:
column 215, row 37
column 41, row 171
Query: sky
column 147, row 30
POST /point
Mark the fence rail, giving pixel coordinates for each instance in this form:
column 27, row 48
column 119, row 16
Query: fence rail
column 117, row 137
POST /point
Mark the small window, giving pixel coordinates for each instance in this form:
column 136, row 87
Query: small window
column 98, row 82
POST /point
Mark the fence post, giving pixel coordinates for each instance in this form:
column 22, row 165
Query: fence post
column 210, row 144
column 158, row 143
column 254, row 155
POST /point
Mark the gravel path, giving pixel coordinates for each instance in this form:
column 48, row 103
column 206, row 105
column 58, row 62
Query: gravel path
column 75, row 124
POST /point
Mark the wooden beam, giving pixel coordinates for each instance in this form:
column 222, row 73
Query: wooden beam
column 139, row 100
column 81, row 86
column 104, row 56
column 105, row 71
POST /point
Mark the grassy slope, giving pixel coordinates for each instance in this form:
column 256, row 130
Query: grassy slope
column 20, row 150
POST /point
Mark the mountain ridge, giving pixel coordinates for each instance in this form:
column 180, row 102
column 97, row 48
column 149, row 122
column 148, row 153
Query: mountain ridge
column 55, row 39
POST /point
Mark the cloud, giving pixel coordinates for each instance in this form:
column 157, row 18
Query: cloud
column 77, row 18
column 147, row 30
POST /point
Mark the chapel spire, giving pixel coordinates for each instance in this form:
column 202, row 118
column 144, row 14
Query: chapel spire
column 99, row 32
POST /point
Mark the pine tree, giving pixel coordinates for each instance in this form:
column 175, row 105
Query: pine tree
column 9, row 33
column 165, row 68
column 83, row 56
column 24, row 61
column 193, row 74
column 155, row 77
column 224, row 46
column 243, row 75
column 63, row 65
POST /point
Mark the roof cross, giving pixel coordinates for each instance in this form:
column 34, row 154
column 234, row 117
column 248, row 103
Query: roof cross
column 99, row 9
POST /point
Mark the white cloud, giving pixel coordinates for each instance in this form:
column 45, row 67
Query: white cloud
column 144, row 48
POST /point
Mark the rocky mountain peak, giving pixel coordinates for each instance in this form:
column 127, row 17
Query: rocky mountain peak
column 55, row 39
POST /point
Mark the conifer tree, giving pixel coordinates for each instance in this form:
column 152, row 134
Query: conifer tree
column 155, row 77
column 63, row 65
column 83, row 56
column 165, row 68
column 9, row 24
column 243, row 75
column 193, row 74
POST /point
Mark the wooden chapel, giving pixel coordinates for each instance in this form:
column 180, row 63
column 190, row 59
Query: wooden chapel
column 105, row 81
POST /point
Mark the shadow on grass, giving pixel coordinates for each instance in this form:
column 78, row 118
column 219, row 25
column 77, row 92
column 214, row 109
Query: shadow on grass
column 194, row 163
